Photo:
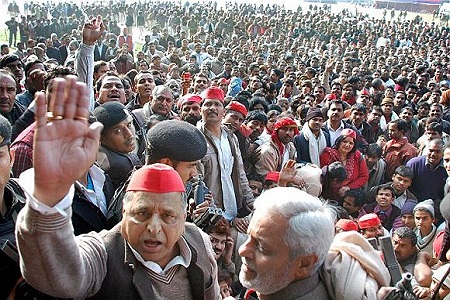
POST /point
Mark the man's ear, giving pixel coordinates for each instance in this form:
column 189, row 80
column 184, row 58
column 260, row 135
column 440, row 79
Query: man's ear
column 166, row 161
column 12, row 154
column 304, row 265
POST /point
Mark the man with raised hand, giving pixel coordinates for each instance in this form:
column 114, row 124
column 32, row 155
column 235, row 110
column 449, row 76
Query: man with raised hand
column 136, row 259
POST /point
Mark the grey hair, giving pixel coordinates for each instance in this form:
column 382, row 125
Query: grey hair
column 159, row 89
column 130, row 195
column 406, row 233
column 310, row 221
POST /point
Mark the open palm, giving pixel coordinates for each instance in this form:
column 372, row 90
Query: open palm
column 65, row 147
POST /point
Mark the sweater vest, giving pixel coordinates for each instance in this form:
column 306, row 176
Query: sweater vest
column 127, row 278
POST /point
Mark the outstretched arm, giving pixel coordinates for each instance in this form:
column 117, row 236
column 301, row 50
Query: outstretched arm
column 65, row 146
column 84, row 60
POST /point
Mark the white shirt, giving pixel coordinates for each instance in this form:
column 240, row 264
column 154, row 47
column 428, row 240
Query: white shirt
column 226, row 161
column 334, row 134
column 182, row 259
column 96, row 196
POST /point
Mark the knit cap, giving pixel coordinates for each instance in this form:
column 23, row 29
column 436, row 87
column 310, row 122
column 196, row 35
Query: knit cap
column 427, row 205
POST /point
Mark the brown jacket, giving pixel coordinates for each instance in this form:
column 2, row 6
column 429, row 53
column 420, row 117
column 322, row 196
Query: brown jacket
column 397, row 153
column 99, row 265
column 210, row 168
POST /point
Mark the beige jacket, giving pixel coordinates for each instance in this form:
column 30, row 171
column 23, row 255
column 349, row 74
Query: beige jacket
column 209, row 167
column 269, row 158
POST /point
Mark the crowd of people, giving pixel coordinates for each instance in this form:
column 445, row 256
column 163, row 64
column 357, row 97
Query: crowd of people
column 237, row 152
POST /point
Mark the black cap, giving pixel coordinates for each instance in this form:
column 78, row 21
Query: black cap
column 111, row 114
column 176, row 140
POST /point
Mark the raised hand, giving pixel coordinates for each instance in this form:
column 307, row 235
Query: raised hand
column 287, row 173
column 92, row 30
column 65, row 146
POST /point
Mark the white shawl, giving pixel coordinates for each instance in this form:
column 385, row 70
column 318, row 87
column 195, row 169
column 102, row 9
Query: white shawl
column 316, row 145
column 353, row 269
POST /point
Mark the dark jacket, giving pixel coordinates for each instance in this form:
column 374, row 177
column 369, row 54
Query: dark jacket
column 302, row 146
column 386, row 220
column 117, row 165
column 100, row 55
column 86, row 216
column 128, row 279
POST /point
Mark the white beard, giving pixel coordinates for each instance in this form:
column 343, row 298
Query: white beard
column 268, row 283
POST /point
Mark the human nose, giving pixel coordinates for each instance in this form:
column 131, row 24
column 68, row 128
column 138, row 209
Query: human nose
column 154, row 225
column 245, row 249
column 3, row 93
column 128, row 132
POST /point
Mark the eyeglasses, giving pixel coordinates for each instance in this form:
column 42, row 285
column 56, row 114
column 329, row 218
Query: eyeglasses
column 172, row 87
column 162, row 99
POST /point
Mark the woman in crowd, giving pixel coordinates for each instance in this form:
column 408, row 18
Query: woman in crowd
column 344, row 151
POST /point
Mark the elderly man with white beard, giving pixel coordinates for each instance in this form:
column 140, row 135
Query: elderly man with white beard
column 288, row 242
column 291, row 240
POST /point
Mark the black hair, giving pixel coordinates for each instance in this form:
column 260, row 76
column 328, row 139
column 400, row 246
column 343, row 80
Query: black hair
column 401, row 125
column 356, row 194
column 386, row 186
column 256, row 100
column 359, row 107
column 255, row 115
column 406, row 233
column 404, row 171
column 373, row 150
column 339, row 141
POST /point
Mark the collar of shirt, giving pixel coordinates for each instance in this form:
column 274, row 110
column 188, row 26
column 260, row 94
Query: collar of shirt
column 430, row 166
column 341, row 126
column 378, row 209
column 183, row 259
column 96, row 195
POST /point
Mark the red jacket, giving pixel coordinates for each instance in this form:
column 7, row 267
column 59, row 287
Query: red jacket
column 357, row 172
column 397, row 153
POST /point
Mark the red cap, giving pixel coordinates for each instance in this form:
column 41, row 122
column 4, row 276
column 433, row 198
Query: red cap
column 285, row 122
column 239, row 107
column 189, row 98
column 330, row 97
column 213, row 93
column 398, row 87
column 349, row 132
column 223, row 81
column 273, row 176
column 347, row 225
column 365, row 92
column 369, row 220
column 156, row 178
